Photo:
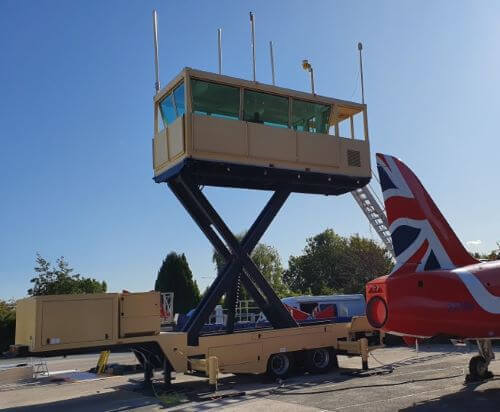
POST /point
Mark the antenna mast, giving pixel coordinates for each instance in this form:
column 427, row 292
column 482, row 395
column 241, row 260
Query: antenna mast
column 219, row 41
column 360, row 47
column 155, row 40
column 252, row 26
column 271, row 52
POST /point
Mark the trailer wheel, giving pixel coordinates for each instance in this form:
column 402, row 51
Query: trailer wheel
column 321, row 360
column 279, row 365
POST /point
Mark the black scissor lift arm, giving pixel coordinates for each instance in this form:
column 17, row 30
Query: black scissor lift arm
column 239, row 266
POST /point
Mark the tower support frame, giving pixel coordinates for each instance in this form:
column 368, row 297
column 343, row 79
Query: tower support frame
column 239, row 267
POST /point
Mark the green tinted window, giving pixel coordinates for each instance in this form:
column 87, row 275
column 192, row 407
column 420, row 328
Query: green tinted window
column 167, row 110
column 310, row 117
column 214, row 99
column 265, row 108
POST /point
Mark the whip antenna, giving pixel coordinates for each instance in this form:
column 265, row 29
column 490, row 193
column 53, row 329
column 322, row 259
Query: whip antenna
column 155, row 40
column 219, row 42
column 271, row 52
column 360, row 48
column 252, row 26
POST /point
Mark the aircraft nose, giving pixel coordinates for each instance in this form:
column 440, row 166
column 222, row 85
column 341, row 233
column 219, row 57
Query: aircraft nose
column 376, row 312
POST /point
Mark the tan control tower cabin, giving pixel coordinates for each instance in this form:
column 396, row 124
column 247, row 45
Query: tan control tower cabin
column 239, row 133
column 216, row 130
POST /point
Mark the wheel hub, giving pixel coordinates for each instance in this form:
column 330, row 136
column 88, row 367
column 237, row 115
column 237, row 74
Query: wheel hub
column 321, row 357
column 279, row 364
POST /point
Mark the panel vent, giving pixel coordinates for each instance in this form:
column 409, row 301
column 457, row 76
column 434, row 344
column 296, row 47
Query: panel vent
column 354, row 158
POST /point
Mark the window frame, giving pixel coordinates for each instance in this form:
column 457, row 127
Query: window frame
column 180, row 83
column 328, row 122
column 330, row 129
column 191, row 105
column 288, row 97
column 167, row 96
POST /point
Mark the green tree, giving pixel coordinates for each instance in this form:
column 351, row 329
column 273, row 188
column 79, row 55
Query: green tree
column 268, row 261
column 176, row 276
column 493, row 255
column 59, row 280
column 7, row 324
column 335, row 264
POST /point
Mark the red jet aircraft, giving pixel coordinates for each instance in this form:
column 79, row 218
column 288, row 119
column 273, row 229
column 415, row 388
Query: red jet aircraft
column 436, row 287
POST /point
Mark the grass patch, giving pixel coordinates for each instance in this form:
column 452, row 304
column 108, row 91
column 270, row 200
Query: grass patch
column 171, row 399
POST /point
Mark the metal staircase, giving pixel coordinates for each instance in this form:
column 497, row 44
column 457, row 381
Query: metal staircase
column 372, row 209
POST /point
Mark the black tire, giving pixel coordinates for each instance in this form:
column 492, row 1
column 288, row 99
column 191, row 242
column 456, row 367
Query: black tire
column 280, row 365
column 478, row 368
column 321, row 360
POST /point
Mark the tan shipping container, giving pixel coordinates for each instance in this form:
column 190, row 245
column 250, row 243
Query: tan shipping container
column 60, row 321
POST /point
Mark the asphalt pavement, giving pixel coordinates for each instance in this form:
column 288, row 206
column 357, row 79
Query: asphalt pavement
column 79, row 362
column 398, row 379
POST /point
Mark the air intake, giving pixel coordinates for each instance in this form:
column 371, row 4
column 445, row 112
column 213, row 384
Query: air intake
column 353, row 158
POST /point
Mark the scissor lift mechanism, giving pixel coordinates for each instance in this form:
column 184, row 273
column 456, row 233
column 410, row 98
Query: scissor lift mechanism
column 239, row 266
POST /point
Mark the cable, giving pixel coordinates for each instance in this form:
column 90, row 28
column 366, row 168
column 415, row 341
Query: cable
column 356, row 86
column 390, row 369
column 375, row 176
column 376, row 196
column 373, row 386
column 153, row 354
column 413, row 357
column 379, row 362
column 393, row 363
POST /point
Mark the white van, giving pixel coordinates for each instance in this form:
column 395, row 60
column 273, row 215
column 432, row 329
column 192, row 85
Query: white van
column 346, row 306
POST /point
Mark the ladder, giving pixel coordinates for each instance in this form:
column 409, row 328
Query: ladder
column 372, row 209
column 40, row 368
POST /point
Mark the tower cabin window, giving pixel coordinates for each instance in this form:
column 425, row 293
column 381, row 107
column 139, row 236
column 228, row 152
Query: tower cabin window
column 265, row 108
column 180, row 107
column 167, row 109
column 217, row 100
column 310, row 117
column 172, row 106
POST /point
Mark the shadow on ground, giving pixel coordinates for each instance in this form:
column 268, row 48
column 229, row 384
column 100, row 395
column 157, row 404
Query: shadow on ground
column 118, row 400
column 467, row 399
column 134, row 394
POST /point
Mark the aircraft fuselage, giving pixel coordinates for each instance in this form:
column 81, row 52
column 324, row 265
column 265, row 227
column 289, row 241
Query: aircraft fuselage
column 461, row 303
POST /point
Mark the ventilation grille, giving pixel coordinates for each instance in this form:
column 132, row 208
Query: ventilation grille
column 354, row 158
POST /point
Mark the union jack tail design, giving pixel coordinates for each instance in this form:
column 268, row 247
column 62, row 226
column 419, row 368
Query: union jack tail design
column 422, row 238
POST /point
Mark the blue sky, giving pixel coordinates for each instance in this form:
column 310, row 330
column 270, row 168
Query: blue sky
column 76, row 86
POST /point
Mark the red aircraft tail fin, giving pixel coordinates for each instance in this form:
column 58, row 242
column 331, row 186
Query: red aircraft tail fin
column 422, row 238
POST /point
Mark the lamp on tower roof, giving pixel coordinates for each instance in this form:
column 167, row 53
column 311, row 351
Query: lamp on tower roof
column 307, row 66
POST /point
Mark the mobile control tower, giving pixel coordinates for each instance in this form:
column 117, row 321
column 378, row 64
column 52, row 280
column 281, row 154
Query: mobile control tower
column 215, row 130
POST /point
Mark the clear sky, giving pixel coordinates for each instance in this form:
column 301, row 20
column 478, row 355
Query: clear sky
column 76, row 88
